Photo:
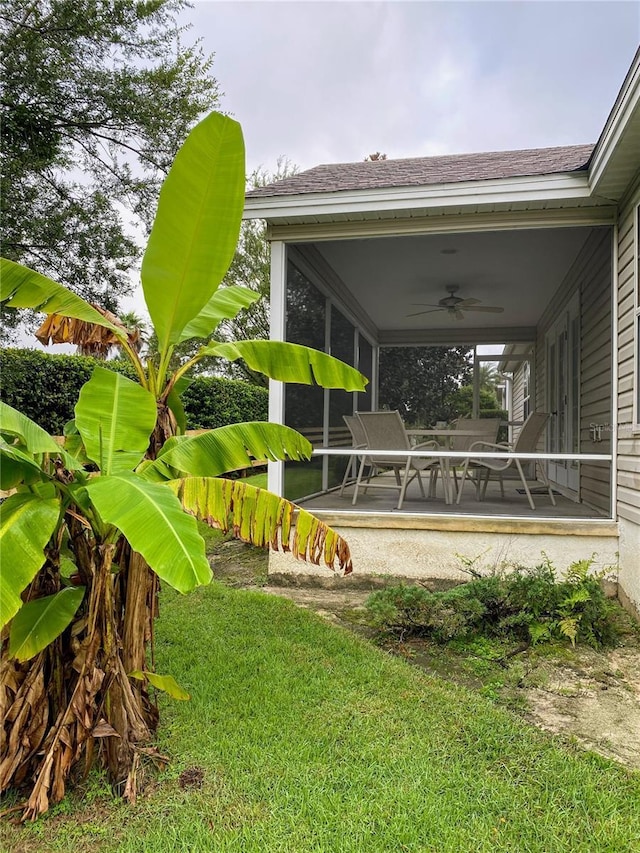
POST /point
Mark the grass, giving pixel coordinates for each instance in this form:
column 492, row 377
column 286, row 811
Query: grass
column 309, row 739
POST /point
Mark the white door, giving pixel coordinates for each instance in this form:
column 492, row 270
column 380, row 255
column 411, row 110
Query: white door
column 563, row 391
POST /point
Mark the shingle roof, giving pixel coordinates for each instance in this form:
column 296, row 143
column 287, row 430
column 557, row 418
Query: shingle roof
column 425, row 171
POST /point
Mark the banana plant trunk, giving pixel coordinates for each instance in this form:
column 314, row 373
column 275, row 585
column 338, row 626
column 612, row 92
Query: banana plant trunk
column 140, row 583
column 75, row 702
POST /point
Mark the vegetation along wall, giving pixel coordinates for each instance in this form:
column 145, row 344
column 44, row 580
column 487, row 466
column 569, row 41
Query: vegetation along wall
column 46, row 387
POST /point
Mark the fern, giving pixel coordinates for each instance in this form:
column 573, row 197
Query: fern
column 525, row 605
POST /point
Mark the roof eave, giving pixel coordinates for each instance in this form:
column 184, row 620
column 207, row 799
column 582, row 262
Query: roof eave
column 615, row 158
column 559, row 187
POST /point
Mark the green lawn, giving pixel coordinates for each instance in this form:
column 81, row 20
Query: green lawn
column 310, row 739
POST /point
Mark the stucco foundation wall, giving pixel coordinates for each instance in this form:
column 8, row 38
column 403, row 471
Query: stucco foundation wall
column 629, row 577
column 442, row 554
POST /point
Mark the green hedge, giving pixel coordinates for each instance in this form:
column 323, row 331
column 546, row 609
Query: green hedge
column 46, row 387
column 211, row 401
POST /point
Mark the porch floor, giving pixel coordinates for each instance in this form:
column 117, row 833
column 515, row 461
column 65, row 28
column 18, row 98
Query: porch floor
column 513, row 505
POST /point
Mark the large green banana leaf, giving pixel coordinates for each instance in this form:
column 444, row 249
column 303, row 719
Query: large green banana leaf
column 225, row 304
column 25, row 288
column 262, row 518
column 153, row 521
column 17, row 467
column 196, row 227
column 26, row 524
column 40, row 621
column 291, row 363
column 33, row 437
column 115, row 418
column 230, row 448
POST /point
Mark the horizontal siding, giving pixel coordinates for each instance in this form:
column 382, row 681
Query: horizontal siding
column 625, row 336
column 596, row 472
column 599, row 395
column 629, row 454
column 595, row 484
column 628, row 479
column 595, row 373
column 625, row 416
column 628, row 446
column 625, row 400
column 518, row 393
column 628, row 506
column 626, row 383
column 627, row 511
column 628, row 458
column 590, row 276
column 596, row 347
column 626, row 304
column 598, row 370
column 625, row 360
column 625, row 258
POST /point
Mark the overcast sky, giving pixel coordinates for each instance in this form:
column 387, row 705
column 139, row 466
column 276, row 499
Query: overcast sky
column 329, row 82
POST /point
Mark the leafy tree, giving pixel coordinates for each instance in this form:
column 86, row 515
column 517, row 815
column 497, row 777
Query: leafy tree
column 461, row 403
column 251, row 267
column 95, row 523
column 96, row 99
column 419, row 381
column 461, row 406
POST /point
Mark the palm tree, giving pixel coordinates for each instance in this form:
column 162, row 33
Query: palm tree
column 489, row 376
column 137, row 328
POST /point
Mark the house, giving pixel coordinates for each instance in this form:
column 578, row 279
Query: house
column 552, row 237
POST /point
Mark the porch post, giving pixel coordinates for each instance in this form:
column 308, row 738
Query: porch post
column 475, row 409
column 277, row 323
column 615, row 387
column 375, row 377
column 326, row 401
column 356, row 363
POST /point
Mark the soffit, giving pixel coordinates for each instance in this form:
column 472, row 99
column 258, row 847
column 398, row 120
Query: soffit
column 388, row 277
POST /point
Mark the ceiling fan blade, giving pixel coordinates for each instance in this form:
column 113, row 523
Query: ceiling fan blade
column 427, row 304
column 465, row 303
column 428, row 311
column 493, row 309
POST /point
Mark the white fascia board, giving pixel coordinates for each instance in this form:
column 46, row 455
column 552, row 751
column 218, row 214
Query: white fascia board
column 560, row 187
column 626, row 104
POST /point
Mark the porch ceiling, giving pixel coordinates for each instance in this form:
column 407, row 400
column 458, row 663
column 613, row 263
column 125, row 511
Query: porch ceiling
column 387, row 277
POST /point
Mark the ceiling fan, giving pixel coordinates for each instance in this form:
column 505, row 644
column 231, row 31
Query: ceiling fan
column 455, row 305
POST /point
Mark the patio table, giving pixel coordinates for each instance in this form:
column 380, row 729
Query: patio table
column 446, row 466
column 447, row 433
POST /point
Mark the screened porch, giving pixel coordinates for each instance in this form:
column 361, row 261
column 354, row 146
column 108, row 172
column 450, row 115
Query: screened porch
column 536, row 306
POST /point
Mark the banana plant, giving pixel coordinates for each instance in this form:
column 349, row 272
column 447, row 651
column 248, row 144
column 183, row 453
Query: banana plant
column 99, row 515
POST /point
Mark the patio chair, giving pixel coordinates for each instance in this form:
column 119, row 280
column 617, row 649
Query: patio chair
column 358, row 440
column 526, row 442
column 485, row 430
column 385, row 431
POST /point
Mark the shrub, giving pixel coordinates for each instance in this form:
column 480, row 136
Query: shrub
column 46, row 387
column 527, row 605
column 211, row 402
